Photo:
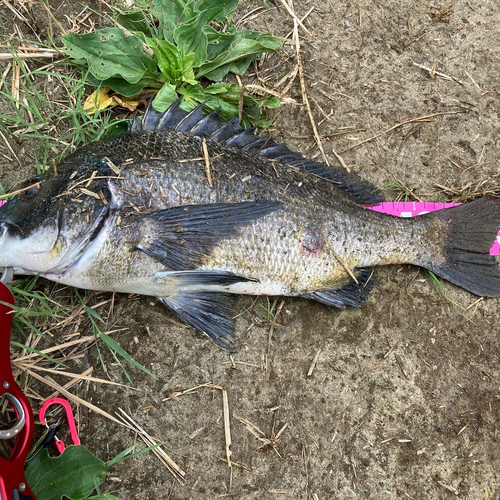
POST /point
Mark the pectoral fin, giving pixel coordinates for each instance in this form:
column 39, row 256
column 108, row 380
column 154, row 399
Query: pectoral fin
column 184, row 236
column 208, row 312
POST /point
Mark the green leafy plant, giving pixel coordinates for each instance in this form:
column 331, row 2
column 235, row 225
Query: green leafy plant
column 75, row 474
column 181, row 47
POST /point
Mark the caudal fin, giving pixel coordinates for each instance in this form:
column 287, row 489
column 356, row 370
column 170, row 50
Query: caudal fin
column 470, row 231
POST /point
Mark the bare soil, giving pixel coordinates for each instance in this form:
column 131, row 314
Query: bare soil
column 404, row 398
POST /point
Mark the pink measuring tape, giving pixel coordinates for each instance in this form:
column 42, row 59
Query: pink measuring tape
column 412, row 209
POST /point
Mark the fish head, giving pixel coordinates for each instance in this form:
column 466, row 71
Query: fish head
column 46, row 226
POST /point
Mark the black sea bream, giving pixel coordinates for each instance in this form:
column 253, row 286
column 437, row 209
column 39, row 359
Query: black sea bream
column 146, row 212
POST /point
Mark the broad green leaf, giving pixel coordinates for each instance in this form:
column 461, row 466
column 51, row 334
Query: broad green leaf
column 75, row 474
column 219, row 42
column 172, row 13
column 122, row 87
column 272, row 102
column 222, row 9
column 192, row 95
column 220, row 45
column 236, row 57
column 255, row 116
column 187, row 69
column 109, row 53
column 230, row 92
column 165, row 97
column 190, row 38
column 196, row 94
column 135, row 21
column 176, row 67
column 168, row 57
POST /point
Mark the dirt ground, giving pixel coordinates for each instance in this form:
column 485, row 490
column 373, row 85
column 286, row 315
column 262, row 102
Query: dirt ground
column 404, row 398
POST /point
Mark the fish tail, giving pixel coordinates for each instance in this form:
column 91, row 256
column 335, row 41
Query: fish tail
column 469, row 231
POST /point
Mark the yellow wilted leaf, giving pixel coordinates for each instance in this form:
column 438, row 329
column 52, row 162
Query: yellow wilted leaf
column 98, row 100
column 129, row 103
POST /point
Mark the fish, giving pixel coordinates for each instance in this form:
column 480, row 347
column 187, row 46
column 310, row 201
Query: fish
column 190, row 209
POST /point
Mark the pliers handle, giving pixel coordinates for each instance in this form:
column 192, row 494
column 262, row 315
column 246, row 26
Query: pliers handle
column 13, row 485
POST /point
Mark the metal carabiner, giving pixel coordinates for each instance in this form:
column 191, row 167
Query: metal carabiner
column 21, row 418
column 69, row 416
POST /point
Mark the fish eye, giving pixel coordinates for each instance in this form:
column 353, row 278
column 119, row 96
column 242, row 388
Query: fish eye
column 30, row 189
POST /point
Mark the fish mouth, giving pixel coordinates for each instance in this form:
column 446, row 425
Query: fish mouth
column 39, row 243
column 24, row 254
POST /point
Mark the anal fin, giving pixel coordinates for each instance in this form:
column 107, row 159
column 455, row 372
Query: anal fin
column 208, row 312
column 353, row 294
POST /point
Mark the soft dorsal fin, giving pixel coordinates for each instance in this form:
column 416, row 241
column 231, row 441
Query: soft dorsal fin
column 211, row 126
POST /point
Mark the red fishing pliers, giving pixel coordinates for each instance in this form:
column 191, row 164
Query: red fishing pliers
column 13, row 485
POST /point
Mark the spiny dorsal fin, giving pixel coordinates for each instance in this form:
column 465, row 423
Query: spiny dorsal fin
column 211, row 126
